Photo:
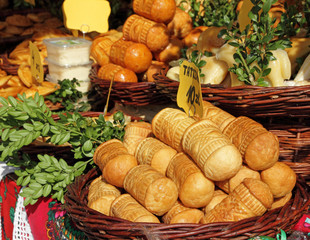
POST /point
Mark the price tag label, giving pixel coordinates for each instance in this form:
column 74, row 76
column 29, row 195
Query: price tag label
column 36, row 64
column 189, row 95
column 32, row 2
column 243, row 16
column 87, row 15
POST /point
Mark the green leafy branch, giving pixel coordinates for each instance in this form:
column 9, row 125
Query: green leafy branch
column 48, row 177
column 254, row 44
column 24, row 120
column 195, row 57
column 68, row 95
column 292, row 21
column 211, row 12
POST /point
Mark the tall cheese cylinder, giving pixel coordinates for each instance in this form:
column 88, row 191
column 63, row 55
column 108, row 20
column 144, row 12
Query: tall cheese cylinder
column 126, row 207
column 258, row 146
column 212, row 151
column 101, row 195
column 114, row 161
column 139, row 29
column 220, row 117
column 181, row 214
column 134, row 56
column 155, row 153
column 116, row 73
column 135, row 132
column 251, row 198
column 152, row 189
column 169, row 126
column 195, row 190
column 156, row 10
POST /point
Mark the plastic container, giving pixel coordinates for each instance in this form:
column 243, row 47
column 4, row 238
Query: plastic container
column 61, row 72
column 68, row 50
column 84, row 87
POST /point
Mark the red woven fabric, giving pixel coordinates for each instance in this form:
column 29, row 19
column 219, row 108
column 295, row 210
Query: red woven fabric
column 37, row 218
column 8, row 196
column 303, row 224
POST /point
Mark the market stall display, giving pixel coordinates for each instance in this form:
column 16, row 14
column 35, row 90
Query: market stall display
column 240, row 170
column 277, row 91
column 187, row 172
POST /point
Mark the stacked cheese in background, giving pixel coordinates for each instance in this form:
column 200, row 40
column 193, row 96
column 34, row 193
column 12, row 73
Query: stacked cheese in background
column 181, row 169
column 148, row 40
column 69, row 58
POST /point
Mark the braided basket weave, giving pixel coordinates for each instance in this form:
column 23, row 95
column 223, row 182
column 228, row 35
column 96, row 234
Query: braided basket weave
column 250, row 101
column 12, row 69
column 98, row 226
column 128, row 93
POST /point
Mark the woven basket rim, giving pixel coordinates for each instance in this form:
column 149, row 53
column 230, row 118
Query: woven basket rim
column 247, row 100
column 95, row 79
column 99, row 226
column 162, row 80
column 128, row 93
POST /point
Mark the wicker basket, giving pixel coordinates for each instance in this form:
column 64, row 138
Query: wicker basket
column 12, row 68
column 250, row 101
column 98, row 226
column 127, row 93
column 294, row 142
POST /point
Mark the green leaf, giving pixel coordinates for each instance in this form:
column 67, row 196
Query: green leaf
column 45, row 129
column 5, row 134
column 266, row 72
column 29, row 139
column 55, row 195
column 38, row 193
column 3, row 110
column 28, row 200
column 65, row 138
column 26, row 180
column 5, row 153
column 87, row 146
column 43, row 158
column 33, row 201
column 28, row 126
column 35, row 185
column 63, row 164
column 3, row 101
column 67, row 180
column 79, row 164
column 60, row 195
column 72, row 175
column 23, row 117
column 55, row 162
column 41, row 180
column 57, row 186
column 50, row 169
column 50, row 178
column 266, row 6
column 12, row 101
column 47, row 190
column 27, row 192
column 38, row 126
column 44, row 165
column 19, row 181
column 60, row 177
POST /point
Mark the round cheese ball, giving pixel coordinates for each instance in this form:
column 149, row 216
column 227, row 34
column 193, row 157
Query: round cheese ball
column 280, row 178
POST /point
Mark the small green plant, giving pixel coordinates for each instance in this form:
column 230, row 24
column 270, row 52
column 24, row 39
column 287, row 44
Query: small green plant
column 292, row 21
column 68, row 95
column 254, row 44
column 24, row 120
column 211, row 12
column 195, row 57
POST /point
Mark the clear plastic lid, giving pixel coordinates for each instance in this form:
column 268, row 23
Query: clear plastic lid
column 67, row 42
